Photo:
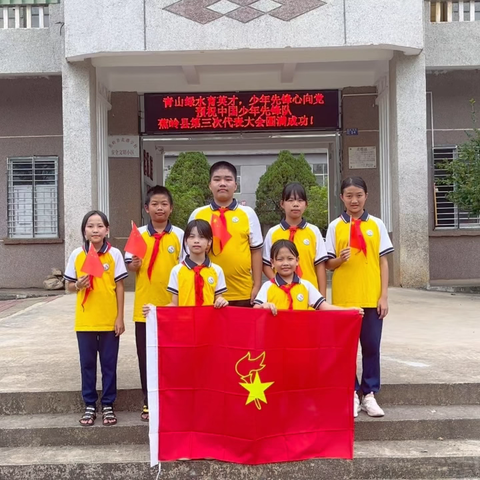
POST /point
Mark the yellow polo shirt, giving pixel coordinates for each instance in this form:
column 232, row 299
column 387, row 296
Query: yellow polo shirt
column 99, row 312
column 182, row 282
column 154, row 290
column 235, row 258
column 357, row 282
column 309, row 242
column 304, row 294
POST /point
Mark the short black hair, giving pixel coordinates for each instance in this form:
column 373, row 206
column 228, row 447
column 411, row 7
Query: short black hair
column 295, row 190
column 203, row 228
column 91, row 213
column 158, row 190
column 279, row 244
column 227, row 165
column 358, row 182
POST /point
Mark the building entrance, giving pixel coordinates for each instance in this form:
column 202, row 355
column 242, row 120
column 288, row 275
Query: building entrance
column 251, row 154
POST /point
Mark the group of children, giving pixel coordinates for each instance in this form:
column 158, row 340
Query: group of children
column 218, row 261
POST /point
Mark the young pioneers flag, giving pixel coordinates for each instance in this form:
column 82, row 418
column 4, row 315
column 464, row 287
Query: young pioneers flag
column 244, row 386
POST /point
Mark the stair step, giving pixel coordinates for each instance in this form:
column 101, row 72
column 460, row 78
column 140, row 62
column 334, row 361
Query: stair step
column 400, row 423
column 30, row 403
column 373, row 460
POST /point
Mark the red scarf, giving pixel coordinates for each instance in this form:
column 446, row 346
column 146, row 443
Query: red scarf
column 199, row 284
column 156, row 247
column 287, row 289
column 91, row 277
column 356, row 236
column 293, row 230
column 219, row 227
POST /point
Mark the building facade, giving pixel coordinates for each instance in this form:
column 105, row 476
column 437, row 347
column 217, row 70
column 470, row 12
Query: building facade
column 79, row 81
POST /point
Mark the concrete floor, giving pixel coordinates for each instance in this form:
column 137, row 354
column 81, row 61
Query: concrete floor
column 429, row 337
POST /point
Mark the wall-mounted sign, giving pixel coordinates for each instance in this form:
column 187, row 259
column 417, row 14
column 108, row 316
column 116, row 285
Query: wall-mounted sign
column 123, row 146
column 362, row 157
column 351, row 131
column 244, row 111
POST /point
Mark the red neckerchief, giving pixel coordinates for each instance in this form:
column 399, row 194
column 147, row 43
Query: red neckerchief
column 91, row 277
column 156, row 247
column 219, row 227
column 293, row 230
column 287, row 289
column 199, row 284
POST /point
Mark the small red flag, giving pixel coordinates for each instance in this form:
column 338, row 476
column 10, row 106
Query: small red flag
column 92, row 264
column 357, row 239
column 136, row 244
column 220, row 231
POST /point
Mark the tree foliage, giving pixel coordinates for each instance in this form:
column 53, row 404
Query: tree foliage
column 287, row 168
column 464, row 173
column 317, row 211
column 188, row 182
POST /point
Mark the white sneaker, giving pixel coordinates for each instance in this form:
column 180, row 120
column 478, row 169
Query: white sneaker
column 370, row 405
column 356, row 405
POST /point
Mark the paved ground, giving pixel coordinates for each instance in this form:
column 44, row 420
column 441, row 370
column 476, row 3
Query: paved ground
column 429, row 337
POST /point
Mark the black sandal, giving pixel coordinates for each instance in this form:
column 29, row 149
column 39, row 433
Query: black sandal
column 108, row 414
column 144, row 416
column 88, row 418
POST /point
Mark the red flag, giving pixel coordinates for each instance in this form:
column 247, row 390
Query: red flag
column 136, row 244
column 247, row 387
column 92, row 264
column 357, row 239
column 220, row 231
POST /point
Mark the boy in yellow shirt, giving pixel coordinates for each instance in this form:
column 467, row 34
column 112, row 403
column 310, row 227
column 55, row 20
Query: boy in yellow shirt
column 164, row 250
column 238, row 240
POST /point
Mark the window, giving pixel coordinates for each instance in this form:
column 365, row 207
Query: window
column 455, row 10
column 239, row 179
column 21, row 16
column 447, row 214
column 33, row 197
column 320, row 170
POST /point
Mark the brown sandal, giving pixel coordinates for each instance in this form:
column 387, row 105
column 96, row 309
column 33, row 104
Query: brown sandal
column 145, row 416
column 88, row 418
column 109, row 417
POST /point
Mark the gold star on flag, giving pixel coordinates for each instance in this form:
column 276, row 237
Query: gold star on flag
column 256, row 390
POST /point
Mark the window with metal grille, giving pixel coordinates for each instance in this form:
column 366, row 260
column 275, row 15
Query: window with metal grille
column 320, row 170
column 447, row 214
column 33, row 197
column 24, row 16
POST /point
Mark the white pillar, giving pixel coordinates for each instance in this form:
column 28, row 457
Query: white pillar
column 383, row 102
column 79, row 147
column 103, row 106
column 409, row 164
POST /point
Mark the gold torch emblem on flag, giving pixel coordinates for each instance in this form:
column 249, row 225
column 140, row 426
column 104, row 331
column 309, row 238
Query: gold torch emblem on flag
column 248, row 369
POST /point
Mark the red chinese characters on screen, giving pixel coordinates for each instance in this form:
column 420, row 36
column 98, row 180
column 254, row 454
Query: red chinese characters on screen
column 229, row 112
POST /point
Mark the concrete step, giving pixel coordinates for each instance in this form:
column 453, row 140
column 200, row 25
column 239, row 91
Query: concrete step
column 30, row 403
column 373, row 460
column 400, row 423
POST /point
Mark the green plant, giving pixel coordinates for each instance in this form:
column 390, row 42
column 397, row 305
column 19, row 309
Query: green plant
column 287, row 168
column 464, row 172
column 188, row 181
column 317, row 211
